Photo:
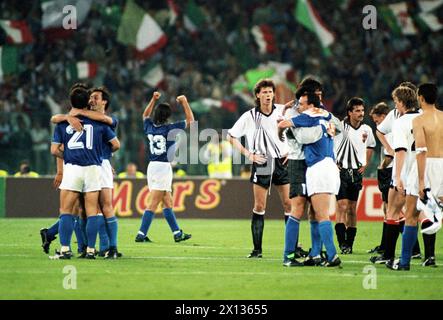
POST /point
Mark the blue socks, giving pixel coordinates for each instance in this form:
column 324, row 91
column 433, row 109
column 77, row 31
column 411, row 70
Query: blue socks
column 147, row 218
column 327, row 237
column 102, row 233
column 66, row 228
column 291, row 235
column 316, row 240
column 112, row 226
column 91, row 230
column 170, row 218
column 409, row 239
column 81, row 242
column 53, row 230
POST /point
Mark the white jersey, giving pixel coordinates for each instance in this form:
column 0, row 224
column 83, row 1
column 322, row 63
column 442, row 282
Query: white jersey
column 261, row 131
column 384, row 153
column 403, row 139
column 385, row 126
column 351, row 145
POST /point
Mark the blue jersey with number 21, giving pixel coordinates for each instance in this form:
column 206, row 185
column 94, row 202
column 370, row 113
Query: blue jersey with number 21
column 83, row 148
column 159, row 144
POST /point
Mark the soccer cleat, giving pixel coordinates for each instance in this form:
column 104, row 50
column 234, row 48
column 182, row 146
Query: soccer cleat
column 429, row 262
column 292, row 263
column 313, row 261
column 255, row 254
column 380, row 259
column 66, row 255
column 182, row 236
column 90, row 255
column 140, row 238
column 335, row 262
column 346, row 250
column 101, row 253
column 377, row 249
column 395, row 265
column 416, row 255
column 82, row 255
column 46, row 242
column 300, row 253
column 112, row 253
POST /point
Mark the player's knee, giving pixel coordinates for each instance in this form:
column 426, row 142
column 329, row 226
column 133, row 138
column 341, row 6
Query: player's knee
column 259, row 207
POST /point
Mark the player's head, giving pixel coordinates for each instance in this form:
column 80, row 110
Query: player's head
column 408, row 84
column 311, row 84
column 80, row 85
column 427, row 93
column 99, row 99
column 405, row 99
column 308, row 100
column 355, row 109
column 162, row 112
column 79, row 98
column 264, row 92
column 379, row 112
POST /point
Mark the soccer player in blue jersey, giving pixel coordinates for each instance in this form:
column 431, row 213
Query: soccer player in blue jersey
column 159, row 172
column 322, row 175
column 82, row 154
column 99, row 102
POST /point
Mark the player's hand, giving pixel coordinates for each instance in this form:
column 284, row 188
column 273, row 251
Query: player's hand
column 390, row 151
column 399, row 186
column 113, row 171
column 257, row 158
column 285, row 160
column 285, row 124
column 362, row 169
column 76, row 123
column 156, row 95
column 181, row 99
column 57, row 180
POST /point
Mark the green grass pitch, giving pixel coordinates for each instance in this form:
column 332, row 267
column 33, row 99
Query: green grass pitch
column 211, row 265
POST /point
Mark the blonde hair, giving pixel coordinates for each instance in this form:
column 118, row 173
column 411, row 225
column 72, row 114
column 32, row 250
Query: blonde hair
column 407, row 96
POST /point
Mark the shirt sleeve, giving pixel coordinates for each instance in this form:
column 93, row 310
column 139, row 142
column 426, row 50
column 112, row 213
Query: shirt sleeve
column 385, row 126
column 240, row 127
column 371, row 143
column 114, row 122
column 399, row 137
column 178, row 125
column 147, row 124
column 57, row 136
column 108, row 134
column 304, row 120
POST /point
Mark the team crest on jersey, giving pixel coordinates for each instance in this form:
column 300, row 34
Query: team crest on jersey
column 364, row 136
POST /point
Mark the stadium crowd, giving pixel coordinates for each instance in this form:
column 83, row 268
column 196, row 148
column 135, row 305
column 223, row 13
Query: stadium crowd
column 363, row 63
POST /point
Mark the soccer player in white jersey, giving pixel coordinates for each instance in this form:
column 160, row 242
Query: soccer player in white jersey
column 82, row 154
column 322, row 175
column 161, row 138
column 267, row 154
column 354, row 148
column 426, row 170
column 405, row 100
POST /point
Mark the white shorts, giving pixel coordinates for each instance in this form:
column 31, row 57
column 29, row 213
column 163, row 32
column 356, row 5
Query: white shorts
column 323, row 177
column 433, row 177
column 159, row 176
column 107, row 176
column 81, row 179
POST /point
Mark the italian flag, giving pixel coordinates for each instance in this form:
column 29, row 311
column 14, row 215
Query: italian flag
column 429, row 5
column 430, row 21
column 264, row 37
column 17, row 32
column 140, row 30
column 8, row 61
column 307, row 16
column 398, row 19
column 54, row 16
column 153, row 75
column 82, row 70
column 193, row 17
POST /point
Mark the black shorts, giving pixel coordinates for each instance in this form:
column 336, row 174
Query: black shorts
column 261, row 174
column 297, row 178
column 384, row 177
column 351, row 182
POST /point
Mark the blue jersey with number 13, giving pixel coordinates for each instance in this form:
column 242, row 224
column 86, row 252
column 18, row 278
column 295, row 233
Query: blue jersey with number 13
column 159, row 144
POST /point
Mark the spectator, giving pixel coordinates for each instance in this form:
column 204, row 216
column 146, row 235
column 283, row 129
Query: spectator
column 25, row 171
column 131, row 172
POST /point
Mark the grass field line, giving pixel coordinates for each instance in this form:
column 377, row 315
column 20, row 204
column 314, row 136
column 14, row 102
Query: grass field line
column 283, row 272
